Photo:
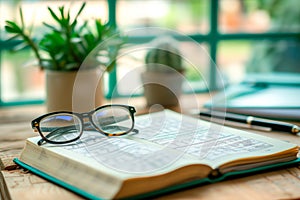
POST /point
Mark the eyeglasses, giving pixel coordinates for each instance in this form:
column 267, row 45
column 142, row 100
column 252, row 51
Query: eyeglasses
column 65, row 127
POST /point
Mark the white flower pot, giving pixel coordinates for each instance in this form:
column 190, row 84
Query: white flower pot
column 72, row 91
column 162, row 88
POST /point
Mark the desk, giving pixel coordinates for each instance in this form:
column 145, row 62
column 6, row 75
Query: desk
column 19, row 184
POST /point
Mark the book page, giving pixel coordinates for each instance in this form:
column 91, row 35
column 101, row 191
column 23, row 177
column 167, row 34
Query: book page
column 206, row 142
column 128, row 155
column 167, row 141
column 167, row 138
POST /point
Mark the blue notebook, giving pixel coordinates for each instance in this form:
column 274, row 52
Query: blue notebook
column 264, row 95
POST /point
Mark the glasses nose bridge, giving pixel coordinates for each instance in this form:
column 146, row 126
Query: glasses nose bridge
column 86, row 117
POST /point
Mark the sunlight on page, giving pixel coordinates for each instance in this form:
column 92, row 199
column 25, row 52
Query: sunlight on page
column 166, row 137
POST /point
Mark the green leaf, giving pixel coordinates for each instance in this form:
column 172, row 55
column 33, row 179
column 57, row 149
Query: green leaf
column 51, row 27
column 59, row 56
column 61, row 10
column 12, row 27
column 64, row 19
column 11, row 30
column 80, row 10
column 89, row 41
column 47, row 64
column 52, row 42
column 71, row 66
column 22, row 18
column 54, row 15
column 99, row 28
column 75, row 40
column 68, row 17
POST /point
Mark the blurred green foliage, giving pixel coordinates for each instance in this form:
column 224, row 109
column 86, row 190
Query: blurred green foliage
column 67, row 43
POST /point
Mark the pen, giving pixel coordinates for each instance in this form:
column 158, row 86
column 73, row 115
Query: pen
column 252, row 121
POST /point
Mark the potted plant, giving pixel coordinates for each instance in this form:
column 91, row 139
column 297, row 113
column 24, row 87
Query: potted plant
column 163, row 77
column 63, row 49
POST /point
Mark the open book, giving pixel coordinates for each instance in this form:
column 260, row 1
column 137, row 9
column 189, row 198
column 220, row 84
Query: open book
column 170, row 150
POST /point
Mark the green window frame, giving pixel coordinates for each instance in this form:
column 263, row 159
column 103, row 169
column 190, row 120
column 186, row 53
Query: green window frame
column 212, row 38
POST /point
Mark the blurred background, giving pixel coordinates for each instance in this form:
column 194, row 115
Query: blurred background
column 239, row 37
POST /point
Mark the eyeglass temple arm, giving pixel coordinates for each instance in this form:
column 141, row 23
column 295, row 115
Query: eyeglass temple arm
column 111, row 120
column 120, row 127
column 62, row 130
column 57, row 131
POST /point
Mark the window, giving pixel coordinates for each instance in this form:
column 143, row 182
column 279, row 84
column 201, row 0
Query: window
column 240, row 37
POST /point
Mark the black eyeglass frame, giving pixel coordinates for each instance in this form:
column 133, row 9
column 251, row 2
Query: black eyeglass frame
column 35, row 124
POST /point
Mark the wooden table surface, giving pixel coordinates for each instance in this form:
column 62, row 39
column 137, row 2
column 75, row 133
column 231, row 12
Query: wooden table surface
column 15, row 183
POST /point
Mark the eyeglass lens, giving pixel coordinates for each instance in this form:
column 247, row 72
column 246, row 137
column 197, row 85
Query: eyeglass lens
column 61, row 127
column 113, row 120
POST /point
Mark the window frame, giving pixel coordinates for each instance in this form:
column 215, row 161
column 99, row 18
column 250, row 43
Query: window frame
column 212, row 38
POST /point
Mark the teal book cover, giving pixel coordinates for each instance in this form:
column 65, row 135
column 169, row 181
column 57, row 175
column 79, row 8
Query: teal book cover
column 215, row 177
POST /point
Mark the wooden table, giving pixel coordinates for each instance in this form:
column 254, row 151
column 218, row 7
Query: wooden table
column 19, row 184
